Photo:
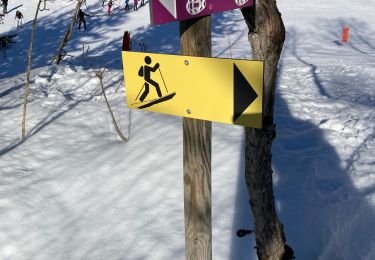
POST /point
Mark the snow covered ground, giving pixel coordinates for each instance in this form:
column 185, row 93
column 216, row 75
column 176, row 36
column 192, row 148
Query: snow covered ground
column 73, row 190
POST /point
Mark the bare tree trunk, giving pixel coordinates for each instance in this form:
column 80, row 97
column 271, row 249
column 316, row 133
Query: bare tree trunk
column 266, row 36
column 27, row 87
column 59, row 56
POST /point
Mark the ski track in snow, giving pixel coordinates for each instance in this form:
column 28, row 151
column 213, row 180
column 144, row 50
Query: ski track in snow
column 73, row 190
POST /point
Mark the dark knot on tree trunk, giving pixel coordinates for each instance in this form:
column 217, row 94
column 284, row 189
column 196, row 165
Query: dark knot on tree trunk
column 270, row 131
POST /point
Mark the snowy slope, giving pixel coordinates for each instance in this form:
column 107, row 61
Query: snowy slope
column 73, row 190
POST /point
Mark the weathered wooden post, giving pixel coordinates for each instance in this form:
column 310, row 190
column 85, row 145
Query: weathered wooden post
column 195, row 40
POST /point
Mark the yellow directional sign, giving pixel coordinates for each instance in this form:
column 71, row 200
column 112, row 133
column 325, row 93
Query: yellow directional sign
column 222, row 90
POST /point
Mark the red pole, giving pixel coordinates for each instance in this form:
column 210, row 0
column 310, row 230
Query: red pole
column 345, row 34
column 126, row 41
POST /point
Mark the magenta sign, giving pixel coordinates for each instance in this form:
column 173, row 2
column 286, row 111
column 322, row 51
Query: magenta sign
column 166, row 11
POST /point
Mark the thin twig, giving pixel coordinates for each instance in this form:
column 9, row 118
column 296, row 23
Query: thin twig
column 87, row 53
column 99, row 74
column 83, row 54
column 230, row 47
column 69, row 32
column 119, row 85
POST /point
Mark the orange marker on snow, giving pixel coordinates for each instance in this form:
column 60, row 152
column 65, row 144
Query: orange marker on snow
column 345, row 34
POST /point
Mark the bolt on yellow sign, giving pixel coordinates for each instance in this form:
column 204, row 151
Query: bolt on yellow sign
column 222, row 90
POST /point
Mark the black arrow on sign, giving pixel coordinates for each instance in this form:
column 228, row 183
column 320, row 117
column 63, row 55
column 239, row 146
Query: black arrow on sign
column 244, row 94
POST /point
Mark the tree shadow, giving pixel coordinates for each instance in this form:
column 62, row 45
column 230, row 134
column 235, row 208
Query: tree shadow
column 159, row 39
column 15, row 8
column 165, row 38
column 323, row 214
column 313, row 68
column 108, row 53
column 359, row 34
column 242, row 247
column 162, row 39
column 59, row 110
column 10, row 90
column 325, row 39
column 335, row 82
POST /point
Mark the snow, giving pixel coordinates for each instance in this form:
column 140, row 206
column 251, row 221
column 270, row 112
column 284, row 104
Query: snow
column 73, row 190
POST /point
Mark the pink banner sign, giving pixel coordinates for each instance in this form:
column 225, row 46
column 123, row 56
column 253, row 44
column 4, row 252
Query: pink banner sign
column 166, row 11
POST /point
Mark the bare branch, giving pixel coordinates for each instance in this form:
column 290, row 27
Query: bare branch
column 68, row 33
column 27, row 87
column 99, row 75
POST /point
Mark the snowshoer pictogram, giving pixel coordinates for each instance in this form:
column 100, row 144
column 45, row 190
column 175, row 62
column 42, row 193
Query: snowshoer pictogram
column 145, row 72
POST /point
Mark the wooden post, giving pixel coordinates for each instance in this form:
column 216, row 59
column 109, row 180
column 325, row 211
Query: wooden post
column 195, row 40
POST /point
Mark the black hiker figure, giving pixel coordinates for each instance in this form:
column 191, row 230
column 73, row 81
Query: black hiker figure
column 19, row 17
column 5, row 7
column 144, row 71
column 81, row 19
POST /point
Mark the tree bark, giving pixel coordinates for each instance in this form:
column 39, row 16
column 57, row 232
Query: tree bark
column 27, row 87
column 196, row 41
column 266, row 36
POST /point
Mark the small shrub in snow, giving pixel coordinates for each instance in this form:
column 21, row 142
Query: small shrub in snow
column 6, row 42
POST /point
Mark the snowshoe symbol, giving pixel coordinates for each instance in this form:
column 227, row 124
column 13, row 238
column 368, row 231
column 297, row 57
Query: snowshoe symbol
column 145, row 72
